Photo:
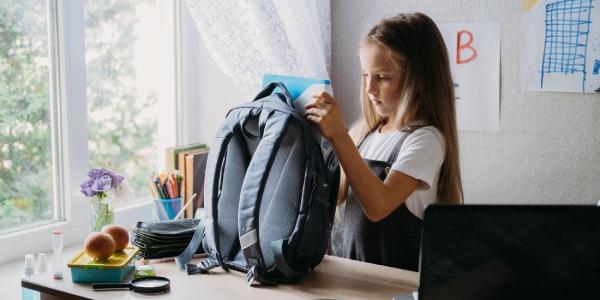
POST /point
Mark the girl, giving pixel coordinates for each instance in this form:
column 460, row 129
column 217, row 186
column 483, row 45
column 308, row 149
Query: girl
column 402, row 154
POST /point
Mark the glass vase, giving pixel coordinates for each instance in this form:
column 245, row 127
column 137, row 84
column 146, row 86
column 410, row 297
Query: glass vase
column 102, row 214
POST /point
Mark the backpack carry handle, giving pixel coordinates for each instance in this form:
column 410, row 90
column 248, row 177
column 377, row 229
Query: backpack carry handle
column 268, row 90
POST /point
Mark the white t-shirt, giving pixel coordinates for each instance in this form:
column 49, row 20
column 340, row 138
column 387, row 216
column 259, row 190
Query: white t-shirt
column 421, row 156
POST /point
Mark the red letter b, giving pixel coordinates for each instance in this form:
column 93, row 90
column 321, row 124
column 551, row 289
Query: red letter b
column 467, row 45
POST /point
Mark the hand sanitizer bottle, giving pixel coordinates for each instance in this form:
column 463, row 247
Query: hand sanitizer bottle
column 57, row 262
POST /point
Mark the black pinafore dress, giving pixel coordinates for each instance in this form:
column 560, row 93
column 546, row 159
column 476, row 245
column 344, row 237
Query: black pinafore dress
column 394, row 241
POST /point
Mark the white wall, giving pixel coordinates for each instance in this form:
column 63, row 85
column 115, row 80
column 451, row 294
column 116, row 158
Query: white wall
column 546, row 151
column 548, row 147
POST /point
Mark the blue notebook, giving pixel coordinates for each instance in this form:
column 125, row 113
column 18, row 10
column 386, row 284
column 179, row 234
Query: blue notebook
column 295, row 85
column 301, row 88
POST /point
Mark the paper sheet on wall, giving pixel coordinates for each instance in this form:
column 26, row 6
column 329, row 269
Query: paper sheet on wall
column 474, row 52
column 560, row 47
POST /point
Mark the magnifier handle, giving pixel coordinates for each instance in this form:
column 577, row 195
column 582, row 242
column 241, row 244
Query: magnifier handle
column 111, row 286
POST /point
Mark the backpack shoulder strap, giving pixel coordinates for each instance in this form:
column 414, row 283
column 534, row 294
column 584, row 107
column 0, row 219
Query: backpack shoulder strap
column 182, row 259
column 213, row 179
column 206, row 229
column 252, row 190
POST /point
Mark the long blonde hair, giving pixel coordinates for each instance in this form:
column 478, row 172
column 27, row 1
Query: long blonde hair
column 415, row 44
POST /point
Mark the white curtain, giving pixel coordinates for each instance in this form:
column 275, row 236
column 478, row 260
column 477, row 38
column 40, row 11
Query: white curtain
column 249, row 38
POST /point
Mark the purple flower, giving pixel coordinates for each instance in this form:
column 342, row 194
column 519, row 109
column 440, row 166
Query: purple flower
column 86, row 188
column 97, row 173
column 116, row 179
column 100, row 180
column 102, row 184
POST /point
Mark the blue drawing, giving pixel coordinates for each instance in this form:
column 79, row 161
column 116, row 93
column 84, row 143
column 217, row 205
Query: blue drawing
column 596, row 67
column 566, row 38
column 456, row 97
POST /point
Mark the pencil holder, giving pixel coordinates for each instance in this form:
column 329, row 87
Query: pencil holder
column 167, row 209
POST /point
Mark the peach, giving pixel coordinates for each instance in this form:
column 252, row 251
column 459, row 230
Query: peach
column 99, row 245
column 119, row 234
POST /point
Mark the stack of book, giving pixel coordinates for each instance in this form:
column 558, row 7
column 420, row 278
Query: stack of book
column 190, row 161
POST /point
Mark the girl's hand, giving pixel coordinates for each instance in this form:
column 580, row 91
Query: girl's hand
column 325, row 112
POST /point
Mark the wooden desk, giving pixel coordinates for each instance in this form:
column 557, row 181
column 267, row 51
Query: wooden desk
column 334, row 278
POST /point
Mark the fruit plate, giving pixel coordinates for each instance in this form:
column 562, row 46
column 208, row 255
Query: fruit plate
column 84, row 269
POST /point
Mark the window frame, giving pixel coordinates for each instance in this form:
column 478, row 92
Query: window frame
column 70, row 127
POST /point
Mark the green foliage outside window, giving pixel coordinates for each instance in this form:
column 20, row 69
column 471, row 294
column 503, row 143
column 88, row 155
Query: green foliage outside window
column 120, row 137
column 25, row 149
column 125, row 141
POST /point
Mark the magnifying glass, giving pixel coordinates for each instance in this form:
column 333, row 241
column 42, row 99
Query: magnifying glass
column 145, row 285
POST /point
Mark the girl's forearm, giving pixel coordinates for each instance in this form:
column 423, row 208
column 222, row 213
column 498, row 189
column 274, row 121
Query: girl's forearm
column 368, row 188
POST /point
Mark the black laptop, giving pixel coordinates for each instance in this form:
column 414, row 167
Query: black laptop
column 510, row 252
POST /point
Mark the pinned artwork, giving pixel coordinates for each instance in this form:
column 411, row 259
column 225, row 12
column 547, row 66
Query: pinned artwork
column 561, row 46
column 474, row 52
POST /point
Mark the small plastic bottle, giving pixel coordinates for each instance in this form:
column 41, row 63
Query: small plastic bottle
column 28, row 271
column 29, row 265
column 42, row 264
column 57, row 261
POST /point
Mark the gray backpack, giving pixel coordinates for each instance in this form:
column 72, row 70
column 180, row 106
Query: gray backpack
column 270, row 196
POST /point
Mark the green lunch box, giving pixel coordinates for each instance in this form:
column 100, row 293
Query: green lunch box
column 85, row 269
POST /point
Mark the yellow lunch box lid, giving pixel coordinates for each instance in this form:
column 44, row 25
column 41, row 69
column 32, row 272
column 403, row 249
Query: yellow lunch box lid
column 115, row 261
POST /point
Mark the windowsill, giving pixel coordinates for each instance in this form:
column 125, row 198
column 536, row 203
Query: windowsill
column 12, row 271
column 38, row 239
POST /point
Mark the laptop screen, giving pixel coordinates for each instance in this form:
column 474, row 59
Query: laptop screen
column 510, row 252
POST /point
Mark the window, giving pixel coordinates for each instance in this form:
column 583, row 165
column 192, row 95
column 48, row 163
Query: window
column 129, row 80
column 118, row 55
column 26, row 172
